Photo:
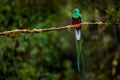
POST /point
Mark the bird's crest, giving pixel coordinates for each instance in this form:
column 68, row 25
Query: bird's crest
column 76, row 13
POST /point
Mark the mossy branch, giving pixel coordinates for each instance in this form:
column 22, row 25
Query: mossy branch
column 48, row 29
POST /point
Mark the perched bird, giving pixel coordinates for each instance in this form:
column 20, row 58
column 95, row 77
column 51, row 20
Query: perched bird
column 77, row 19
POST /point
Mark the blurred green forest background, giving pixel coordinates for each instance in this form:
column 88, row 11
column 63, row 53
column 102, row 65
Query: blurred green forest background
column 52, row 55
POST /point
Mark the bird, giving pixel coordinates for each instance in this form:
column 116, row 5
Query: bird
column 77, row 19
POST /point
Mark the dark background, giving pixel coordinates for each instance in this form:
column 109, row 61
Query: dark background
column 52, row 55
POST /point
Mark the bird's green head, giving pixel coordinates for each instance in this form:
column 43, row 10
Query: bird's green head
column 76, row 13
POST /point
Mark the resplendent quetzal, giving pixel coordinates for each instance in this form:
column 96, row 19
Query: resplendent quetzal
column 77, row 19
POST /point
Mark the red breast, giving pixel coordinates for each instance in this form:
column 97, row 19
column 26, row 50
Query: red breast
column 76, row 21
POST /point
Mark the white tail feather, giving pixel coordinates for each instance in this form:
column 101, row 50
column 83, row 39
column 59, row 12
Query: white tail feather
column 78, row 34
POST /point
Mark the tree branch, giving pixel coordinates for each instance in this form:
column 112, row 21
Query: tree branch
column 49, row 29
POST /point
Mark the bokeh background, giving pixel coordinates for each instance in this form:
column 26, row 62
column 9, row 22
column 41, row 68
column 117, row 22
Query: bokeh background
column 52, row 55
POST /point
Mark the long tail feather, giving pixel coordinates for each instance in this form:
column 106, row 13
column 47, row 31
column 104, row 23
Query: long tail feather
column 78, row 55
column 79, row 52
